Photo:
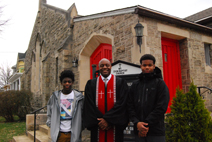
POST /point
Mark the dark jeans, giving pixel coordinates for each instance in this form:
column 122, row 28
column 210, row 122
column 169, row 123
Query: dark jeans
column 150, row 139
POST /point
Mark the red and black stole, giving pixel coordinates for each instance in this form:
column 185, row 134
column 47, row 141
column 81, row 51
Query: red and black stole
column 105, row 100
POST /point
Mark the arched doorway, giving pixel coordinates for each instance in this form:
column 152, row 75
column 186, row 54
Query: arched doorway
column 86, row 52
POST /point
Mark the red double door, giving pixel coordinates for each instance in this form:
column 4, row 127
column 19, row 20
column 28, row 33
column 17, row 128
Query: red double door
column 171, row 67
column 102, row 51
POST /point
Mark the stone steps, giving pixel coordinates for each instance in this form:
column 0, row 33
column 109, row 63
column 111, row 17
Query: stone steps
column 44, row 128
column 23, row 138
column 41, row 135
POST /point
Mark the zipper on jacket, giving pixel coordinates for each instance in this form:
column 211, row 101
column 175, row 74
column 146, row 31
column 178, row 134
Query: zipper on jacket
column 142, row 102
column 77, row 101
column 146, row 94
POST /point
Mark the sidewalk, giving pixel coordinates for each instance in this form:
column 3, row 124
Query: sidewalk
column 85, row 136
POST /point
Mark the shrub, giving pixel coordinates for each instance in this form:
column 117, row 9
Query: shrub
column 190, row 121
column 15, row 103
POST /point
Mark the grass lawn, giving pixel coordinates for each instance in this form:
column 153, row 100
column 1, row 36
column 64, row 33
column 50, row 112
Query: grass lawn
column 10, row 129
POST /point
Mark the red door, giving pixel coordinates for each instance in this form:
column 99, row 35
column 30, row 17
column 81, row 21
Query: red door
column 171, row 66
column 102, row 51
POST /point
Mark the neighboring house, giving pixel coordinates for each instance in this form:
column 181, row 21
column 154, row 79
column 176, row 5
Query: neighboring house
column 62, row 39
column 203, row 17
column 18, row 69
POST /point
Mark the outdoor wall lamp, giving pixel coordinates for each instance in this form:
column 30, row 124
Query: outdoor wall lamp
column 75, row 62
column 139, row 33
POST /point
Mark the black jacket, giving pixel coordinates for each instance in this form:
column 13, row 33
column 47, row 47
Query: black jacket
column 117, row 116
column 148, row 102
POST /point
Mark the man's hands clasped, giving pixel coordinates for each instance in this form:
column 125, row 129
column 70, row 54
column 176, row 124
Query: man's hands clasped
column 142, row 129
column 103, row 124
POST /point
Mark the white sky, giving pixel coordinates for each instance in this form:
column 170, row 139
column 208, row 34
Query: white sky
column 22, row 13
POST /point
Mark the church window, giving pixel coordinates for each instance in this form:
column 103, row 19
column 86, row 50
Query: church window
column 208, row 53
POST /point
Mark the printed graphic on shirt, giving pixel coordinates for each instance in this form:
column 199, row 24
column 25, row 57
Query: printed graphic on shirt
column 66, row 109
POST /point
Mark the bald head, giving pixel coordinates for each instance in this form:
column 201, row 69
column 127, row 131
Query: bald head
column 104, row 59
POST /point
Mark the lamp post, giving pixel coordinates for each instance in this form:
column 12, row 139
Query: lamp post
column 139, row 33
column 75, row 62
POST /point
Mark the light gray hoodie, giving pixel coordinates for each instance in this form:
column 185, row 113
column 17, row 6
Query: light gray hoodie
column 53, row 116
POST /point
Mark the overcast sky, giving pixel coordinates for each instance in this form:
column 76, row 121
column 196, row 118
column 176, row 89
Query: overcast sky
column 22, row 13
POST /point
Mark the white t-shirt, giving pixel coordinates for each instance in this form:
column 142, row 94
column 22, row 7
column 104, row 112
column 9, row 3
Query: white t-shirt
column 66, row 103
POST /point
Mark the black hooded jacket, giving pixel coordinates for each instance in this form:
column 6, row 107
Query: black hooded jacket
column 148, row 102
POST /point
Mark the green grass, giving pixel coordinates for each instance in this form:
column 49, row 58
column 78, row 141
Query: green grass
column 10, row 129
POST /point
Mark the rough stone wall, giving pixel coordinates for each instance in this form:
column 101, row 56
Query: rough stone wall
column 197, row 59
column 46, row 80
column 117, row 26
column 54, row 31
column 154, row 40
column 192, row 57
column 52, row 25
column 185, row 72
column 197, row 66
column 28, row 58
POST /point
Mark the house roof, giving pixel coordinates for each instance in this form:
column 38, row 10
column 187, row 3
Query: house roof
column 14, row 77
column 13, row 67
column 143, row 11
column 106, row 14
column 171, row 19
column 21, row 56
column 207, row 13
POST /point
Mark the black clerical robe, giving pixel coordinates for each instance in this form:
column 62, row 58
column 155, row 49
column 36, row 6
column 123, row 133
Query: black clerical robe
column 116, row 117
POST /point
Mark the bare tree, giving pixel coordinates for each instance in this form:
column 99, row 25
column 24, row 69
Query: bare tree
column 5, row 73
column 2, row 21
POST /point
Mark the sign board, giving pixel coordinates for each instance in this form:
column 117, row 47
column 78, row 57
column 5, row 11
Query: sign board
column 125, row 68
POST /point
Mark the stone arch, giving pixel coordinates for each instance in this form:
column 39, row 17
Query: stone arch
column 36, row 70
column 84, row 56
column 33, row 57
column 41, row 48
column 38, row 38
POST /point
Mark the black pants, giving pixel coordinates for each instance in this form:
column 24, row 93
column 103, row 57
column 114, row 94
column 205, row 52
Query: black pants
column 150, row 139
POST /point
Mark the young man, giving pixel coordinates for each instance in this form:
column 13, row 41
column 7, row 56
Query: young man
column 64, row 111
column 148, row 102
column 104, row 112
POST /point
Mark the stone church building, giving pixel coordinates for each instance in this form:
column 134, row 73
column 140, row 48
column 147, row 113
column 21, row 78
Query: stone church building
column 62, row 39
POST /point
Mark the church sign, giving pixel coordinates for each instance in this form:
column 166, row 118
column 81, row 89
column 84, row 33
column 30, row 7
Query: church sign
column 125, row 68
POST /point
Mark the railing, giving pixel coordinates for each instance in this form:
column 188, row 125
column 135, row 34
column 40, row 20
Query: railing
column 34, row 112
column 208, row 89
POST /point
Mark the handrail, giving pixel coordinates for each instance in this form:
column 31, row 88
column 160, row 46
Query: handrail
column 38, row 109
column 205, row 88
column 34, row 112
